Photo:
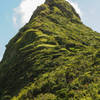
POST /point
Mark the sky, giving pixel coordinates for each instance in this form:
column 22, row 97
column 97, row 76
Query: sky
column 16, row 13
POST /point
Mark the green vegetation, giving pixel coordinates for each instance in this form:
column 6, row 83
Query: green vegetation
column 53, row 57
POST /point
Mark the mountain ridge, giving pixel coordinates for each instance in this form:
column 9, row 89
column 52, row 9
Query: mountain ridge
column 54, row 56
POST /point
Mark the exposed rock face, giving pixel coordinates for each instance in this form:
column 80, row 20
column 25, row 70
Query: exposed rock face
column 53, row 57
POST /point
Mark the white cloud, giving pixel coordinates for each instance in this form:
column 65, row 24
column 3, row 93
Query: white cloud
column 0, row 58
column 76, row 6
column 24, row 11
column 26, row 8
column 15, row 20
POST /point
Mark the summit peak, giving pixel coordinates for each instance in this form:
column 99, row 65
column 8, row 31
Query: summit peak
column 63, row 6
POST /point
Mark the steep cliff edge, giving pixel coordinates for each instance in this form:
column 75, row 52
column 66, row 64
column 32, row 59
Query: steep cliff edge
column 53, row 57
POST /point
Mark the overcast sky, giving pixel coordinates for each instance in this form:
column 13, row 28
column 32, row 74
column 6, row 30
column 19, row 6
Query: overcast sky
column 15, row 13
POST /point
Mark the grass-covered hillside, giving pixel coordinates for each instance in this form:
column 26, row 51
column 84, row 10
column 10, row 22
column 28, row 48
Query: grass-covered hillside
column 53, row 57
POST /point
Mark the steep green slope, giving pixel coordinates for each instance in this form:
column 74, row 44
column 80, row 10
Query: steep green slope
column 53, row 57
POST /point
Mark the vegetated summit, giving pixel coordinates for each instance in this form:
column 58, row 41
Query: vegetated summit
column 53, row 57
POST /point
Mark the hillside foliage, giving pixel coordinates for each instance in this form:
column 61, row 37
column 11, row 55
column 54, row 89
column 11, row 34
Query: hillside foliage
column 53, row 57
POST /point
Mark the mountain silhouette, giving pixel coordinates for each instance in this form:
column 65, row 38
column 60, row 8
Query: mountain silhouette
column 53, row 57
